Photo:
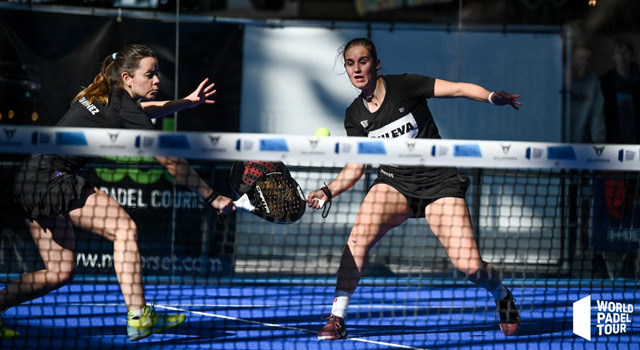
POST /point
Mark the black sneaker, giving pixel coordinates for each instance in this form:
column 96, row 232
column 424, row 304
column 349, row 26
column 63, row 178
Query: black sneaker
column 334, row 329
column 509, row 316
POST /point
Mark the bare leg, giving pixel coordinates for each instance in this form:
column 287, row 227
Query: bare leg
column 105, row 217
column 382, row 209
column 56, row 245
column 450, row 221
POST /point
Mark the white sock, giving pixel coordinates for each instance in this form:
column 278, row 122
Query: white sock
column 340, row 303
column 499, row 293
column 136, row 314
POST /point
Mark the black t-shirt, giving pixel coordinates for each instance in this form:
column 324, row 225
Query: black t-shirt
column 122, row 112
column 404, row 113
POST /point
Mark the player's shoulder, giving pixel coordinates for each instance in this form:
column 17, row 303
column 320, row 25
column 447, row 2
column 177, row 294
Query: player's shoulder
column 82, row 113
column 413, row 77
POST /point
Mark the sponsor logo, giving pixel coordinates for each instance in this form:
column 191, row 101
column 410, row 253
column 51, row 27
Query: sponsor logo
column 41, row 138
column 534, row 153
column 214, row 140
column 143, row 175
column 173, row 142
column 313, row 144
column 9, row 133
column 364, row 123
column 439, row 151
column 371, row 148
column 405, row 127
column 626, row 155
column 154, row 263
column 343, row 148
column 274, row 145
column 144, row 141
column 470, row 150
column 263, row 200
column 598, row 150
column 561, row 153
column 506, row 149
column 71, row 138
column 113, row 138
column 611, row 317
column 411, row 146
column 386, row 173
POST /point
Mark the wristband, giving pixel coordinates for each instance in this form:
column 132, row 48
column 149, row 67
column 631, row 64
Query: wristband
column 491, row 95
column 327, row 204
column 212, row 197
column 327, row 192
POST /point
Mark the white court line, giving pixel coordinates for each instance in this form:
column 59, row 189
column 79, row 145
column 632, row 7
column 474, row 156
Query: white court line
column 166, row 307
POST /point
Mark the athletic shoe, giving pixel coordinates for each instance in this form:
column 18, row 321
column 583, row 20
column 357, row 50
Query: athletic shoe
column 509, row 316
column 6, row 333
column 334, row 329
column 150, row 322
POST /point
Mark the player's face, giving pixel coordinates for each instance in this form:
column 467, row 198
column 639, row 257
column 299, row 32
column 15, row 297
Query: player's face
column 622, row 57
column 360, row 66
column 581, row 62
column 144, row 82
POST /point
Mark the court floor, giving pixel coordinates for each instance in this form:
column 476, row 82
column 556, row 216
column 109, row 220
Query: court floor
column 276, row 314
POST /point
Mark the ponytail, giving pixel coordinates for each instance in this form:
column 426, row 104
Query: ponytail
column 108, row 80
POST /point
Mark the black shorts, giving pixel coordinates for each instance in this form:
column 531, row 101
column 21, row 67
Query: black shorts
column 448, row 183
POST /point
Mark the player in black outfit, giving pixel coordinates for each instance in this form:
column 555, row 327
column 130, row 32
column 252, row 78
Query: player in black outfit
column 394, row 106
column 56, row 199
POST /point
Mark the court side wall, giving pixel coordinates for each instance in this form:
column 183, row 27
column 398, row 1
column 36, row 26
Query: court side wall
column 294, row 82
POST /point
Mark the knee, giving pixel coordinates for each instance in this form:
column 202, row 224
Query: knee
column 361, row 237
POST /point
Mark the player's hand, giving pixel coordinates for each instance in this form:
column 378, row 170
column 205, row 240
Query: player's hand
column 202, row 94
column 501, row 98
column 224, row 205
column 316, row 199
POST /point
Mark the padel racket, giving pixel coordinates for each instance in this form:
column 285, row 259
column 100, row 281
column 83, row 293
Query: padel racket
column 244, row 173
column 274, row 197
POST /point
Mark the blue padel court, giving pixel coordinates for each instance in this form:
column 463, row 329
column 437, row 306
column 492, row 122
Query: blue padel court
column 286, row 314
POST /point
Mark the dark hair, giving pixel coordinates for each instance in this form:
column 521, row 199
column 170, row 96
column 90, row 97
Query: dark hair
column 125, row 60
column 622, row 41
column 364, row 42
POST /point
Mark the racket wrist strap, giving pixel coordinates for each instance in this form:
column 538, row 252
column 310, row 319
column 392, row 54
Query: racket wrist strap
column 212, row 197
column 327, row 192
column 327, row 205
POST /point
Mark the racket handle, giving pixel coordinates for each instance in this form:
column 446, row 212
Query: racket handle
column 321, row 202
column 244, row 203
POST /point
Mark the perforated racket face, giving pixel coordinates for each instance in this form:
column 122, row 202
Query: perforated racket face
column 244, row 174
column 278, row 198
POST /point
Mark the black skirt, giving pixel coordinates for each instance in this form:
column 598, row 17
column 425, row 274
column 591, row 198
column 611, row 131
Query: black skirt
column 39, row 190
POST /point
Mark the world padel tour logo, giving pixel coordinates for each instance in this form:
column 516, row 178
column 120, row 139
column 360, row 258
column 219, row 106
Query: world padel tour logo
column 611, row 317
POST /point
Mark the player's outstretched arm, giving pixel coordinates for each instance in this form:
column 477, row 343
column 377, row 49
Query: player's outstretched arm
column 348, row 176
column 202, row 94
column 444, row 89
column 180, row 169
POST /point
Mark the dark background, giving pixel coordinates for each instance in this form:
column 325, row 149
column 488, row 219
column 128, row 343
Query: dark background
column 46, row 58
